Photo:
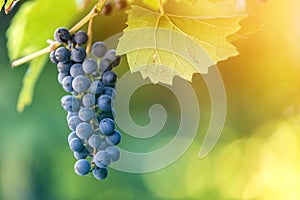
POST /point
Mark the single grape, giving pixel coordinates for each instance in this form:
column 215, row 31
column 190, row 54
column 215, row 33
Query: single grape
column 73, row 122
column 99, row 49
column 107, row 126
column 53, row 58
column 81, row 154
column 78, row 54
column 60, row 77
column 112, row 57
column 88, row 100
column 70, row 103
column 113, row 152
column 64, row 67
column 62, row 54
column 107, row 9
column 67, row 83
column 82, row 167
column 114, row 139
column 81, row 37
column 75, row 144
column 89, row 66
column 105, row 65
column 105, row 103
column 95, row 141
column 84, row 130
column 100, row 173
column 71, row 136
column 81, row 83
column 86, row 114
column 109, row 91
column 96, row 87
column 102, row 158
column 76, row 70
column 61, row 35
column 120, row 4
column 109, row 78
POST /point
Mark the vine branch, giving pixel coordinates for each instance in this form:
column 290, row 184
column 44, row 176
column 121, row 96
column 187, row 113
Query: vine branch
column 93, row 13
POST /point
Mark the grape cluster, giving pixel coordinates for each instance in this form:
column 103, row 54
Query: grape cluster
column 91, row 82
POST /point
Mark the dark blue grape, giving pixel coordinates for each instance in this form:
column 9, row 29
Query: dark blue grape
column 105, row 65
column 112, row 57
column 88, row 100
column 95, row 141
column 100, row 173
column 102, row 159
column 81, row 154
column 105, row 103
column 76, row 70
column 70, row 103
column 60, row 77
column 81, row 83
column 82, row 167
column 99, row 49
column 114, row 139
column 86, row 114
column 84, row 130
column 110, row 91
column 89, row 66
column 109, row 78
column 71, row 136
column 64, row 67
column 67, row 83
column 75, row 144
column 62, row 54
column 107, row 126
column 81, row 37
column 96, row 87
column 61, row 35
column 113, row 152
column 73, row 122
column 53, row 58
column 78, row 54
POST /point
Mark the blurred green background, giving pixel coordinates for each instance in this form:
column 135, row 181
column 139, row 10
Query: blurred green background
column 257, row 157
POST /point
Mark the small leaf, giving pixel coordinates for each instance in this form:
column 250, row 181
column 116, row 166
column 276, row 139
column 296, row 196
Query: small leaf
column 30, row 78
column 166, row 40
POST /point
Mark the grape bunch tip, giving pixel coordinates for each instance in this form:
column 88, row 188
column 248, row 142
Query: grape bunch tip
column 91, row 83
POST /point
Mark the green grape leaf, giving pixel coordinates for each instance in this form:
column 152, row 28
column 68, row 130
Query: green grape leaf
column 30, row 78
column 34, row 23
column 162, row 46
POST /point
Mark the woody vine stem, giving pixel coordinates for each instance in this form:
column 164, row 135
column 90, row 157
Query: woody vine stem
column 88, row 18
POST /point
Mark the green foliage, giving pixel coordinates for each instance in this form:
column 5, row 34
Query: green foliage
column 206, row 40
column 34, row 23
column 154, row 34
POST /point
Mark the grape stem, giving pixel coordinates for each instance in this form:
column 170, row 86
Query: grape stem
column 90, row 36
column 161, row 7
column 54, row 45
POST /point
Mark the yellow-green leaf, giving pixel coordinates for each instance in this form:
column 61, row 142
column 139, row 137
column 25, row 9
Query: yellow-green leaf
column 152, row 39
column 30, row 78
column 152, row 4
